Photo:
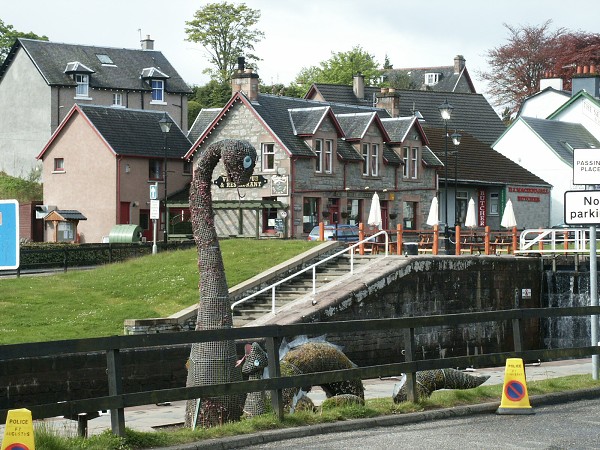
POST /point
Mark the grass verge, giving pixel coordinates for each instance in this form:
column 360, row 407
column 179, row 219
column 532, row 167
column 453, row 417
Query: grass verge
column 48, row 439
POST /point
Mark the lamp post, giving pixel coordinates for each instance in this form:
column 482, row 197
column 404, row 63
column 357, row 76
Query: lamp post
column 456, row 141
column 165, row 126
column 446, row 112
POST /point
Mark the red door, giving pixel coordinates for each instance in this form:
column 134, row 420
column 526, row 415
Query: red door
column 124, row 217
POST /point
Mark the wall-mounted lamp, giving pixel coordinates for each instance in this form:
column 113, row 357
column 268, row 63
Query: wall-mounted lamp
column 135, row 204
column 127, row 168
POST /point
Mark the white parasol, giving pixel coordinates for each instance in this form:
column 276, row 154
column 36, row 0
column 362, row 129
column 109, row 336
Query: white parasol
column 508, row 218
column 470, row 220
column 374, row 219
column 432, row 218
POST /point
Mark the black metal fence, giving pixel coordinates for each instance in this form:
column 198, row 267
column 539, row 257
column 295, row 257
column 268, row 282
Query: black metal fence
column 272, row 336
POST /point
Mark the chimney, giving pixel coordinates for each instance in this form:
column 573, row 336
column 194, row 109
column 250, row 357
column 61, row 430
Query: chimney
column 552, row 81
column 358, row 86
column 389, row 100
column 587, row 79
column 147, row 44
column 459, row 63
column 244, row 80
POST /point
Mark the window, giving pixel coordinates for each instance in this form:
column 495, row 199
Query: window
column 83, row 83
column 158, row 87
column 187, row 167
column 366, row 161
column 406, row 161
column 118, row 99
column 319, row 153
column 494, row 202
column 268, row 156
column 414, row 166
column 59, row 164
column 104, row 59
column 374, row 160
column 66, row 232
column 155, row 170
column 432, row 79
column 310, row 211
column 408, row 216
column 328, row 160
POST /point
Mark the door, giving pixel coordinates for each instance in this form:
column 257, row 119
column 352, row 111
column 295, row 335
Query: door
column 124, row 215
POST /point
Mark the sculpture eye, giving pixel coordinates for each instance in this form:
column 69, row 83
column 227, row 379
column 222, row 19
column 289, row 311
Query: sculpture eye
column 247, row 162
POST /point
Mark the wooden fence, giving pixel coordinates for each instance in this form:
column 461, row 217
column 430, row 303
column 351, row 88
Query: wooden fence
column 272, row 336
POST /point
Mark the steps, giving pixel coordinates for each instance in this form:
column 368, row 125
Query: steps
column 298, row 287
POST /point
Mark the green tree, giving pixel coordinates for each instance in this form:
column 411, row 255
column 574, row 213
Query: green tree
column 213, row 94
column 341, row 68
column 226, row 32
column 399, row 79
column 8, row 36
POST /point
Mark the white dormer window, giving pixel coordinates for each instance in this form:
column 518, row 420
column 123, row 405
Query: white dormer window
column 432, row 78
column 117, row 99
column 83, row 84
column 158, row 90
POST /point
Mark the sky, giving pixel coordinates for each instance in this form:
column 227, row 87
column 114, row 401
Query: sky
column 303, row 33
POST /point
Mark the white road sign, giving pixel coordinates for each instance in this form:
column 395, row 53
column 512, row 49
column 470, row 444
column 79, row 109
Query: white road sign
column 582, row 207
column 154, row 209
column 586, row 166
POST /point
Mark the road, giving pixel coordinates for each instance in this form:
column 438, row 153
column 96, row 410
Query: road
column 573, row 425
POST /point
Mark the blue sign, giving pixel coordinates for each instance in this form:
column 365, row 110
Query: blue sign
column 9, row 234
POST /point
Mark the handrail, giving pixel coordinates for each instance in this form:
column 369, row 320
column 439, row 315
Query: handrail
column 554, row 240
column 313, row 267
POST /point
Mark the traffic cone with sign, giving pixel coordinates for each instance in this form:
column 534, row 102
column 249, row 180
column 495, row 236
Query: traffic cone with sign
column 18, row 432
column 514, row 392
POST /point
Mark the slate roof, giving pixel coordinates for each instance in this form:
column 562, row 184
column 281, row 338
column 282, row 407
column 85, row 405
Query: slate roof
column 562, row 137
column 134, row 132
column 203, row 120
column 478, row 163
column 398, row 128
column 472, row 112
column 448, row 80
column 66, row 214
column 51, row 59
column 306, row 121
column 355, row 125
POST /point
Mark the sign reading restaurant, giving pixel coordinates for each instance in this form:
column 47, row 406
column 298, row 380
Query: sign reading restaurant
column 256, row 181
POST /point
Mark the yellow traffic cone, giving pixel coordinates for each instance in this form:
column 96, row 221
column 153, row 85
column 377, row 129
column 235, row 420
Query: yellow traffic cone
column 514, row 392
column 18, row 432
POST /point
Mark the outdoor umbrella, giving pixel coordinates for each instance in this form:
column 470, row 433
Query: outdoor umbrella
column 470, row 219
column 374, row 219
column 432, row 218
column 508, row 218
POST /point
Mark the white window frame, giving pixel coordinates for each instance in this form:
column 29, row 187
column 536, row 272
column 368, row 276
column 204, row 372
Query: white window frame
column 158, row 90
column 432, row 78
column 494, row 204
column 82, row 89
column 406, row 161
column 414, row 162
column 117, row 99
column 267, row 151
column 319, row 153
column 328, row 156
column 374, row 160
column 366, row 152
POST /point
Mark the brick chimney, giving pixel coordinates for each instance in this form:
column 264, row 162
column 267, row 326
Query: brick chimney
column 147, row 44
column 586, row 79
column 244, row 80
column 459, row 63
column 389, row 100
column 358, row 86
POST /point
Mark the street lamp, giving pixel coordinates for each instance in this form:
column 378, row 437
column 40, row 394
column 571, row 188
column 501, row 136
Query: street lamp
column 456, row 141
column 446, row 111
column 165, row 126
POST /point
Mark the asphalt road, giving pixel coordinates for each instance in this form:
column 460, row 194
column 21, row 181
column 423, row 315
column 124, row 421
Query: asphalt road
column 574, row 425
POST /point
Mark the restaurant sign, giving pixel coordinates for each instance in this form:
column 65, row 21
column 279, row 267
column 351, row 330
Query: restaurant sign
column 256, row 181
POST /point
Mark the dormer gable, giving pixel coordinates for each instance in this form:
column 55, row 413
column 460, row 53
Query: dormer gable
column 77, row 67
column 307, row 121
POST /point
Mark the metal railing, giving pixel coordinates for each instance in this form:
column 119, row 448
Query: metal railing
column 313, row 268
column 554, row 241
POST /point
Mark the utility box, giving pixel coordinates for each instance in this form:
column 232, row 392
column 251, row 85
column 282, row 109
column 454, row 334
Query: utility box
column 125, row 234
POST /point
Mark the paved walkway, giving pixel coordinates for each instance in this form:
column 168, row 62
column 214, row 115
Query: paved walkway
column 154, row 417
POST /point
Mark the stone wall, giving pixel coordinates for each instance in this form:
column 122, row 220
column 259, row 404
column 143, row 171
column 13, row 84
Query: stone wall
column 393, row 287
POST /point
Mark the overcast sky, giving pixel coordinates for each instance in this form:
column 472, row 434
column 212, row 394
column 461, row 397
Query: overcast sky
column 303, row 33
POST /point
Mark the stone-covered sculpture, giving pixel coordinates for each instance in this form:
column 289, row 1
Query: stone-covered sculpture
column 214, row 362
column 253, row 365
column 432, row 380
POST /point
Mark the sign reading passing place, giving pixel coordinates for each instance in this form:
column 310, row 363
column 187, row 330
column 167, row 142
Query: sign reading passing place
column 586, row 166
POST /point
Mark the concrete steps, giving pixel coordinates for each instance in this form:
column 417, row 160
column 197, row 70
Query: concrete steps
column 298, row 287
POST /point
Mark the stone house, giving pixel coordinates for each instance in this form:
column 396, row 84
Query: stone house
column 40, row 82
column 318, row 161
column 99, row 165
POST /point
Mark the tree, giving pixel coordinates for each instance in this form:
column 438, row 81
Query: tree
column 341, row 68
column 214, row 94
column 8, row 36
column 226, row 32
column 518, row 66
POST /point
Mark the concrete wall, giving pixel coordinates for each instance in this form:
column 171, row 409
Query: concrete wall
column 395, row 287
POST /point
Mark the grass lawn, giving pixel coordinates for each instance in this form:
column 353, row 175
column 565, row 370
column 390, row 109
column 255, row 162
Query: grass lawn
column 83, row 304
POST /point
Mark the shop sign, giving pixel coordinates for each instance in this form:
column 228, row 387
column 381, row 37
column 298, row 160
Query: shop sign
column 256, row 181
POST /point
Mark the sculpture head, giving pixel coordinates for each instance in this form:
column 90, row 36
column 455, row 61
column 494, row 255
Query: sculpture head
column 239, row 158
